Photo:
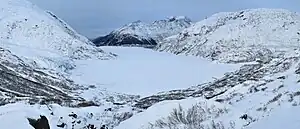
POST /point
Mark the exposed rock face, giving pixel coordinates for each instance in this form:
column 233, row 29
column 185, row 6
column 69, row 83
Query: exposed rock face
column 126, row 40
column 142, row 34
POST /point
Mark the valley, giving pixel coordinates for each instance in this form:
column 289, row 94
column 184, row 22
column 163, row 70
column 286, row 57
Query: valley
column 144, row 72
column 232, row 70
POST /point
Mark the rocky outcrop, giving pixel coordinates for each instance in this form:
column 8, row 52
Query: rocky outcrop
column 126, row 40
column 41, row 123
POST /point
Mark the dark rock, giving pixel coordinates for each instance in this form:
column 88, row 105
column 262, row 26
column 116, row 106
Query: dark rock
column 124, row 40
column 62, row 125
column 87, row 104
column 41, row 123
column 104, row 127
column 281, row 77
column 108, row 109
column 245, row 117
column 73, row 115
column 220, row 100
column 91, row 126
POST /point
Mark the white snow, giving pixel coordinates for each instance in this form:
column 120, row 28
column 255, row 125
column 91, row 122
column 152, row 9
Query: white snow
column 14, row 116
column 144, row 72
column 238, row 36
column 284, row 117
column 155, row 112
column 162, row 110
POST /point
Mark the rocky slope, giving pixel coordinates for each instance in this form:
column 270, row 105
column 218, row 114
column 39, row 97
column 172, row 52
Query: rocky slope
column 22, row 82
column 144, row 34
column 244, row 36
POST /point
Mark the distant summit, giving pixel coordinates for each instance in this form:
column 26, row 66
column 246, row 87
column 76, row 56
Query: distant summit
column 143, row 34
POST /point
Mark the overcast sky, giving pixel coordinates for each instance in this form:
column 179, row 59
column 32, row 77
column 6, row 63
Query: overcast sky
column 97, row 17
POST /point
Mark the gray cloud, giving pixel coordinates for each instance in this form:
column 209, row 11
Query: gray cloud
column 96, row 17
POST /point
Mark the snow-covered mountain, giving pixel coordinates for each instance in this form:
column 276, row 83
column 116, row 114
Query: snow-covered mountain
column 247, row 35
column 23, row 27
column 144, row 34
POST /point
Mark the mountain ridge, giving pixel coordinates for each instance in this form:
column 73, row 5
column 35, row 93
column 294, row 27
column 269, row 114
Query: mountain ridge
column 144, row 34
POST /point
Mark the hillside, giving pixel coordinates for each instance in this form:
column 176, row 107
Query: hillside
column 244, row 36
column 143, row 34
column 26, row 27
column 261, row 94
column 37, row 52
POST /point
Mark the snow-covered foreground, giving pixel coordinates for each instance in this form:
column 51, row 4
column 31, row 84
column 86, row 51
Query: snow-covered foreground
column 14, row 116
column 156, row 112
column 145, row 72
column 272, row 108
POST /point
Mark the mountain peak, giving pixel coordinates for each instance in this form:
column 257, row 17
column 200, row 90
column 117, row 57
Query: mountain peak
column 179, row 18
column 139, row 33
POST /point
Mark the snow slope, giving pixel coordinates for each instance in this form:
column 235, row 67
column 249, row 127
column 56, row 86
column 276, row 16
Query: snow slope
column 52, row 42
column 158, row 111
column 247, row 35
column 265, row 97
column 144, row 72
column 144, row 34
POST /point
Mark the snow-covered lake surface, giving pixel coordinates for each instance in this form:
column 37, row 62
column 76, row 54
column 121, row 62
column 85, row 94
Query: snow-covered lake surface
column 144, row 72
